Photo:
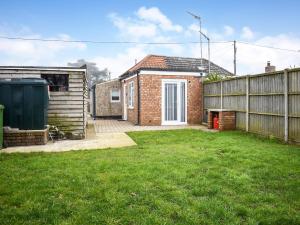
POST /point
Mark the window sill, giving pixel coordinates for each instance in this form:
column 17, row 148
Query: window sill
column 115, row 101
column 130, row 107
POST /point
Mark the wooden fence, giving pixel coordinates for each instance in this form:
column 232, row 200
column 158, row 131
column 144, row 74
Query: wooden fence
column 267, row 104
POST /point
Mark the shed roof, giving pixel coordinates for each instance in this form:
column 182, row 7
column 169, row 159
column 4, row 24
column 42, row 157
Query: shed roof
column 66, row 68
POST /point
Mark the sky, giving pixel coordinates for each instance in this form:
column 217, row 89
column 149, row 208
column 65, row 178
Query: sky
column 267, row 23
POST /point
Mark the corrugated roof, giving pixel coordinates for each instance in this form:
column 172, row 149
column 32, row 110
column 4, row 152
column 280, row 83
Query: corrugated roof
column 170, row 63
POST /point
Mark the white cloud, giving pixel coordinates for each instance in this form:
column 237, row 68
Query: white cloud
column 142, row 27
column 193, row 30
column 21, row 52
column 252, row 59
column 133, row 29
column 121, row 62
column 228, row 30
column 247, row 33
column 154, row 15
column 146, row 23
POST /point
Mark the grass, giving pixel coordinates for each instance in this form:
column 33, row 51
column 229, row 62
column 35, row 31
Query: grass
column 171, row 177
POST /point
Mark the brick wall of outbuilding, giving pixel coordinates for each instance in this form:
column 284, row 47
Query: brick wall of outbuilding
column 104, row 106
column 151, row 96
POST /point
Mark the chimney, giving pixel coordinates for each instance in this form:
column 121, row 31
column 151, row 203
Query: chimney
column 269, row 68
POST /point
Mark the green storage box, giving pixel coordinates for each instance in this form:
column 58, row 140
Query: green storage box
column 1, row 125
column 26, row 103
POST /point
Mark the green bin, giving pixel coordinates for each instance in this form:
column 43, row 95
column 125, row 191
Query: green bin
column 1, row 126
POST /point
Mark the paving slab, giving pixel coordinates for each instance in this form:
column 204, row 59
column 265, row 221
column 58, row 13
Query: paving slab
column 110, row 126
column 101, row 141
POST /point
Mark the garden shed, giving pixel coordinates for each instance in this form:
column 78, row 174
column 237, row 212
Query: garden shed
column 67, row 95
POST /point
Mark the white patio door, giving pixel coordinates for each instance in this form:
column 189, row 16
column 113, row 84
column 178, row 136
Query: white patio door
column 174, row 98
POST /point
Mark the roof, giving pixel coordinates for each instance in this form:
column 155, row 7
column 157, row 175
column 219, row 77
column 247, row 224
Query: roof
column 66, row 68
column 170, row 63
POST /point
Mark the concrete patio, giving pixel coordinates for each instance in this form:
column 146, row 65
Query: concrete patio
column 112, row 126
column 101, row 134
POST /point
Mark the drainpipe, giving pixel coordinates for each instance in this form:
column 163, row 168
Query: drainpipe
column 139, row 99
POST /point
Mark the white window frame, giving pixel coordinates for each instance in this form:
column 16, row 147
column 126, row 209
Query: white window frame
column 131, row 95
column 174, row 81
column 111, row 91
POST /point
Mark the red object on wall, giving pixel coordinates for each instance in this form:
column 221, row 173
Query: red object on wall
column 216, row 122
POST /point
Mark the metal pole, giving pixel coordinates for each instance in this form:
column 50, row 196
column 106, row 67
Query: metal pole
column 199, row 18
column 208, row 55
column 208, row 41
column 234, row 57
column 200, row 33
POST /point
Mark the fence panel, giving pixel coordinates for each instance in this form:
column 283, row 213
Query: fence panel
column 212, row 102
column 237, row 103
column 266, row 95
column 267, row 84
column 240, row 120
column 234, row 87
column 267, row 104
column 267, row 125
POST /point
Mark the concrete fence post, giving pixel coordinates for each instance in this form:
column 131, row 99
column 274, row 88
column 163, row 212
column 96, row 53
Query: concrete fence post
column 221, row 94
column 247, row 102
column 286, row 106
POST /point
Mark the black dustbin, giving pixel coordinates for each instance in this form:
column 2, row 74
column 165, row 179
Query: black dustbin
column 26, row 103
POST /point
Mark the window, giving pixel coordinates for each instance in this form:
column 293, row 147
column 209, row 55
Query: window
column 57, row 82
column 115, row 95
column 131, row 95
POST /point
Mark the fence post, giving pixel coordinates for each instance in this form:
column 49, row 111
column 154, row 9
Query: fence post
column 203, row 99
column 221, row 94
column 247, row 102
column 286, row 106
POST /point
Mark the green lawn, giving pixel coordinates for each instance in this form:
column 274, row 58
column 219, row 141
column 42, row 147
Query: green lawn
column 171, row 177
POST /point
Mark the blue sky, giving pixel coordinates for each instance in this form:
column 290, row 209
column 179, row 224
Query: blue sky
column 273, row 23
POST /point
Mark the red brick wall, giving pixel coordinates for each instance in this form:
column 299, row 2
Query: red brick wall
column 150, row 85
column 15, row 137
column 226, row 120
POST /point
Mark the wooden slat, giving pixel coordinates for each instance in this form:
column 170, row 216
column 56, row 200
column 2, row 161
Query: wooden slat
column 70, row 111
column 76, row 89
column 76, row 80
column 65, row 114
column 79, row 76
column 71, row 119
column 66, row 102
column 66, row 93
column 65, row 107
column 66, row 98
column 66, row 123
column 75, row 85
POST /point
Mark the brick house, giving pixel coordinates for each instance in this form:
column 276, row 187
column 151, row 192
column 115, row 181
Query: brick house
column 162, row 90
column 105, row 100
